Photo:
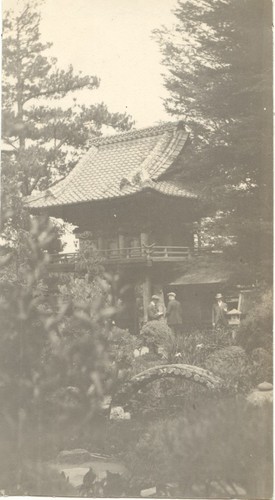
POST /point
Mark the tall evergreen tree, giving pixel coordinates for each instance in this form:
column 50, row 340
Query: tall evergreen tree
column 46, row 136
column 218, row 72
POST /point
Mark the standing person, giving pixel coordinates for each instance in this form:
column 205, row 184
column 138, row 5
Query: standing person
column 219, row 311
column 174, row 314
column 153, row 311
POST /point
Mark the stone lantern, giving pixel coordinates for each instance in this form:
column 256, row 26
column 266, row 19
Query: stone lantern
column 234, row 317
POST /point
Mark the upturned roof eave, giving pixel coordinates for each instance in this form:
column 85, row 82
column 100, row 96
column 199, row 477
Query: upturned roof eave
column 64, row 206
column 159, row 162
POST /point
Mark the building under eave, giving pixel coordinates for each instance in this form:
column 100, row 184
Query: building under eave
column 125, row 195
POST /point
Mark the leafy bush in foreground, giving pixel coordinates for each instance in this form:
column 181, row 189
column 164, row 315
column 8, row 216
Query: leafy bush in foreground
column 208, row 452
column 55, row 368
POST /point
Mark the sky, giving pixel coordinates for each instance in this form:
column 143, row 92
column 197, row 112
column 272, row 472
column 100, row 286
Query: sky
column 111, row 39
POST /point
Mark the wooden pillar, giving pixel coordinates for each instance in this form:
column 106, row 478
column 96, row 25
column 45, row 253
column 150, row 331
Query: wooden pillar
column 144, row 240
column 146, row 294
column 121, row 242
column 197, row 236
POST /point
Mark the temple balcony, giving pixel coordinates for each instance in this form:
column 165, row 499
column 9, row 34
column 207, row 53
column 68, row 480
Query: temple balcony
column 132, row 255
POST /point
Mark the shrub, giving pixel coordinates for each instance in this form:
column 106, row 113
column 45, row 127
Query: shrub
column 256, row 329
column 215, row 451
column 157, row 335
column 82, row 290
column 36, row 479
column 196, row 345
column 121, row 346
column 55, row 368
column 88, row 260
column 262, row 368
column 233, row 366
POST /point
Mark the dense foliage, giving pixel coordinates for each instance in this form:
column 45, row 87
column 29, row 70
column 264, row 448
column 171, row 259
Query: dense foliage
column 158, row 337
column 257, row 328
column 60, row 358
column 55, row 368
column 213, row 450
column 218, row 72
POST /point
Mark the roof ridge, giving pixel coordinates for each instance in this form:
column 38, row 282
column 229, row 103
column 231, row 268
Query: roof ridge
column 137, row 134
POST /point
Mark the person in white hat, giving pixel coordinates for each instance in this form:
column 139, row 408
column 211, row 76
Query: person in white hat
column 153, row 311
column 219, row 310
column 174, row 314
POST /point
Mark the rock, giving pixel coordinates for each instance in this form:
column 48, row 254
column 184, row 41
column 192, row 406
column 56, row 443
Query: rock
column 259, row 398
column 118, row 413
column 144, row 350
column 265, row 386
column 76, row 456
column 148, row 492
column 75, row 475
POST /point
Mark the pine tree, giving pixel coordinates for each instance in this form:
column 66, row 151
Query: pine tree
column 47, row 137
column 218, row 72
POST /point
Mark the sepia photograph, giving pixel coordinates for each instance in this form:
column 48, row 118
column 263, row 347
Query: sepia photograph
column 136, row 249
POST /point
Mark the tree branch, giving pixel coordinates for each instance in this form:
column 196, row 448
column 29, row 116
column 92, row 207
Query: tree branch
column 54, row 91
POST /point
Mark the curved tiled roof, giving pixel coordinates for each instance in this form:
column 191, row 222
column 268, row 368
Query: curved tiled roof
column 119, row 165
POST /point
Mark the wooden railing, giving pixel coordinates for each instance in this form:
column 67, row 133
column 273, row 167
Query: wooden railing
column 170, row 251
column 63, row 258
column 122, row 253
column 138, row 254
column 145, row 252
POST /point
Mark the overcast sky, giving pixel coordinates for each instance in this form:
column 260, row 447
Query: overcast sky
column 112, row 39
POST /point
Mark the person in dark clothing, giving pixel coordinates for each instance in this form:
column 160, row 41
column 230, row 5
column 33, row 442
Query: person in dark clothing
column 153, row 311
column 219, row 310
column 174, row 314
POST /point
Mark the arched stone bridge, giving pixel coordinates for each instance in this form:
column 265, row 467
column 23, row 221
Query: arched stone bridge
column 188, row 372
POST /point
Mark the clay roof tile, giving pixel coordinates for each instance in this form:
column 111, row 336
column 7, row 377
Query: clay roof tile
column 119, row 165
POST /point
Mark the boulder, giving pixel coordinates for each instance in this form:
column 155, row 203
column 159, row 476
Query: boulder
column 144, row 350
column 259, row 398
column 265, row 386
column 118, row 413
column 148, row 492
